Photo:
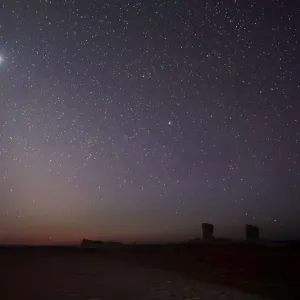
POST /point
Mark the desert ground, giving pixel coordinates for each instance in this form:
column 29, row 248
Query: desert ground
column 157, row 272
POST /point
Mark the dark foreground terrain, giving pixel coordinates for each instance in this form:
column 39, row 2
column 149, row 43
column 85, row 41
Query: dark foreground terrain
column 207, row 272
column 267, row 270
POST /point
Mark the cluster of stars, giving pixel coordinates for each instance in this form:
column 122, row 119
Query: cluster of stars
column 179, row 109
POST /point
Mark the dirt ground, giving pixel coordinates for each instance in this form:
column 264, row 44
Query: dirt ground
column 131, row 274
column 271, row 271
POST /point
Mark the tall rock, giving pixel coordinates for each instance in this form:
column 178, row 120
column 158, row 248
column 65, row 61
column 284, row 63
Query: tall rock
column 251, row 233
column 207, row 232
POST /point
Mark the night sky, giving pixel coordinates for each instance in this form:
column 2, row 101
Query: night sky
column 139, row 120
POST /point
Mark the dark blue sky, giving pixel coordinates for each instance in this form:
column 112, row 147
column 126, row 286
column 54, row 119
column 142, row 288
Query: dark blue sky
column 139, row 120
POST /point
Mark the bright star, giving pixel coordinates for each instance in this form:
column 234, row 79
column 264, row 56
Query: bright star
column 1, row 59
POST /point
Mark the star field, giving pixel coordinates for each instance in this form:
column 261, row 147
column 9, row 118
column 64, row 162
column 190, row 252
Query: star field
column 139, row 120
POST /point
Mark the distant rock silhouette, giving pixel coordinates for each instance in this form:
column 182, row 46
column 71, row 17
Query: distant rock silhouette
column 99, row 244
column 91, row 244
column 196, row 240
column 207, row 232
column 222, row 240
column 252, row 233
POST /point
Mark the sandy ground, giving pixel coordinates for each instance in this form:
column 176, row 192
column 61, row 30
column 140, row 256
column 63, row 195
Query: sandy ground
column 87, row 276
